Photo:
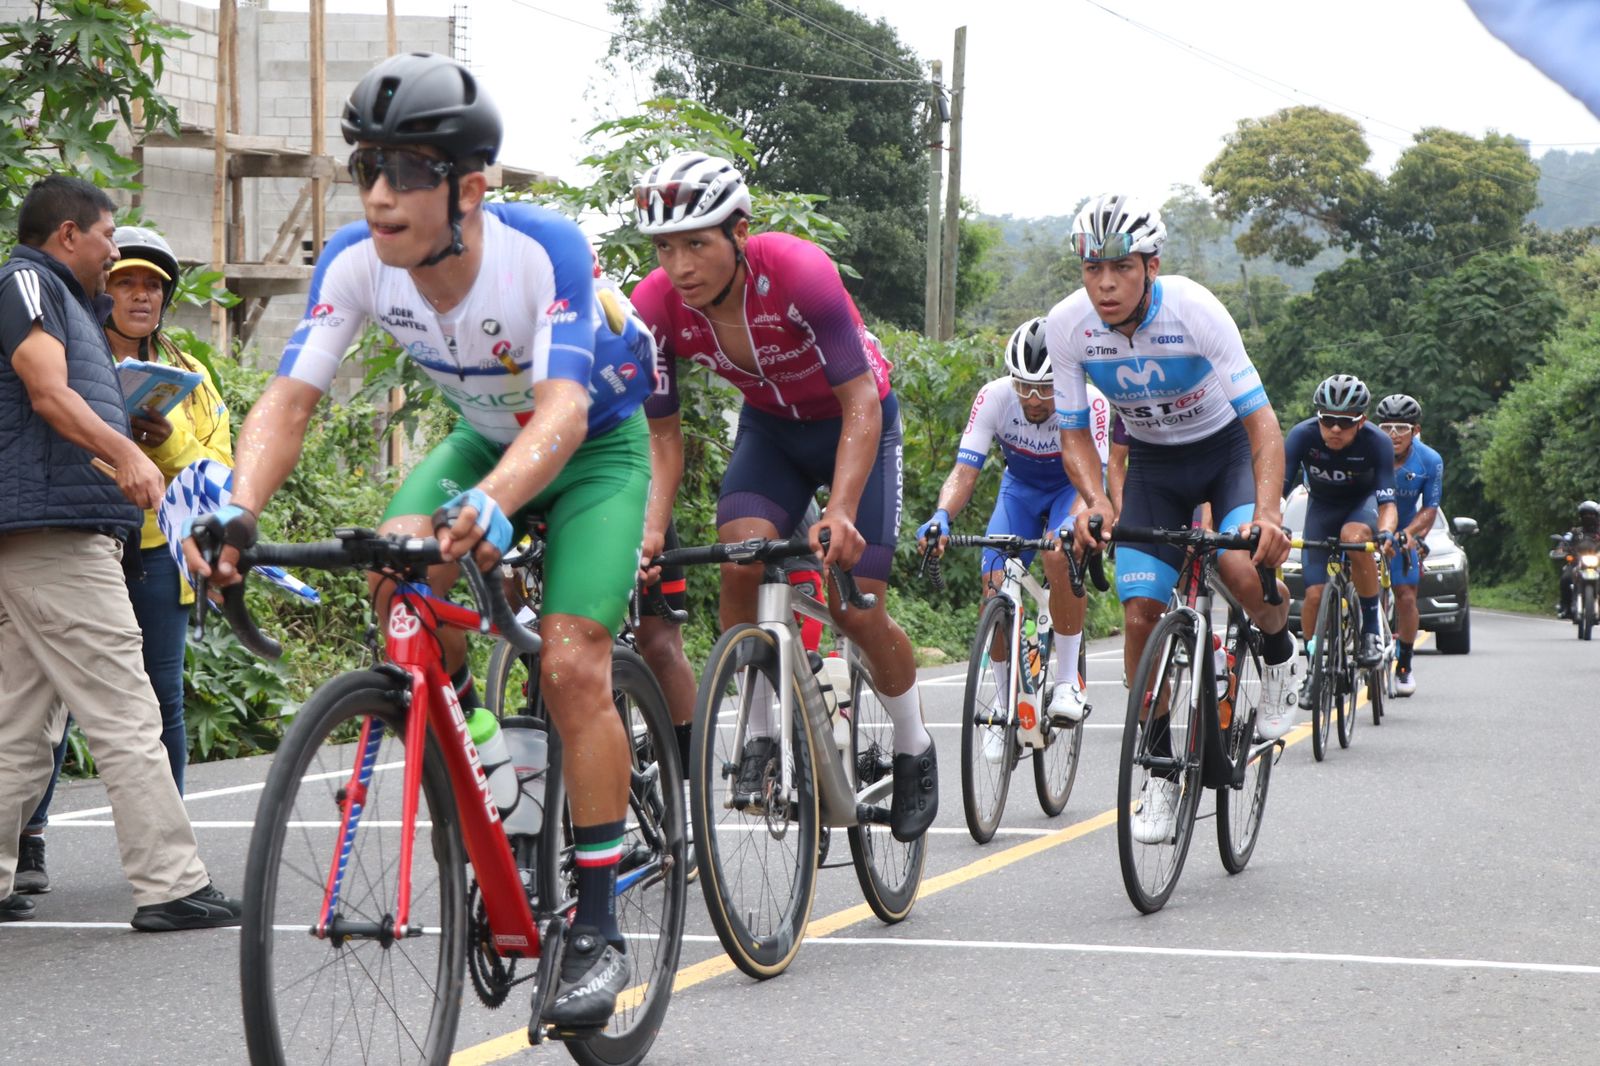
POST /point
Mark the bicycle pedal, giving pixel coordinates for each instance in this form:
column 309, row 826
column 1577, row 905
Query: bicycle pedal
column 552, row 942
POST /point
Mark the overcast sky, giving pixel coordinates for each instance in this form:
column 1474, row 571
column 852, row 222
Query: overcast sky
column 1065, row 99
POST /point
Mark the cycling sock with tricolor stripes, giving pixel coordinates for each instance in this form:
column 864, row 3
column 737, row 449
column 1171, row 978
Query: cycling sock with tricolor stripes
column 598, row 849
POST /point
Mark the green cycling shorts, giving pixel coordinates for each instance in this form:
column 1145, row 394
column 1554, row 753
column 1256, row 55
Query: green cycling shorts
column 594, row 510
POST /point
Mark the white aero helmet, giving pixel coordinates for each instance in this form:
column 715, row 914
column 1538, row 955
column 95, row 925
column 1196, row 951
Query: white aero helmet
column 1113, row 226
column 1027, row 359
column 689, row 191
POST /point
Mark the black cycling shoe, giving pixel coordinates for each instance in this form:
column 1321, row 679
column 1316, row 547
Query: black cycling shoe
column 916, row 795
column 204, row 908
column 592, row 974
column 1308, row 694
column 1371, row 653
column 749, row 789
column 16, row 908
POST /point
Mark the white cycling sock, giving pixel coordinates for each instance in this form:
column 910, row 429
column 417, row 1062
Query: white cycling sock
column 1067, row 655
column 911, row 737
column 763, row 718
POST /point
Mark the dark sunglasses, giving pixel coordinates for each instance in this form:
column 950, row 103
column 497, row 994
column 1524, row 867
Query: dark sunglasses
column 1338, row 421
column 402, row 168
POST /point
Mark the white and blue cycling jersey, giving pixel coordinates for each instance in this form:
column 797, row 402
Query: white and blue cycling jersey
column 1182, row 377
column 1031, row 450
column 530, row 316
column 1418, row 482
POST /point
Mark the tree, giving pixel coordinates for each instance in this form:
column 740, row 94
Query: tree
column 64, row 65
column 860, row 144
column 1457, row 193
column 1193, row 231
column 1299, row 178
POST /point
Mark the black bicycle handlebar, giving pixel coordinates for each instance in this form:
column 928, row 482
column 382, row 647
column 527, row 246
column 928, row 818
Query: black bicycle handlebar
column 763, row 550
column 933, row 566
column 1205, row 540
column 352, row 549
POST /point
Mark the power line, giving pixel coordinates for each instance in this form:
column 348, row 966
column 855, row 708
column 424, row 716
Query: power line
column 1244, row 73
column 718, row 59
column 894, row 63
column 727, row 6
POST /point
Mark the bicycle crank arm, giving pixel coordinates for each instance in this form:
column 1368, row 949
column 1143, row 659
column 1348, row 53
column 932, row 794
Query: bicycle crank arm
column 878, row 790
column 552, row 942
column 869, row 814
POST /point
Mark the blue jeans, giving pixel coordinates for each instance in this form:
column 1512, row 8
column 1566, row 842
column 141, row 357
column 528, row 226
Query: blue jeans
column 165, row 625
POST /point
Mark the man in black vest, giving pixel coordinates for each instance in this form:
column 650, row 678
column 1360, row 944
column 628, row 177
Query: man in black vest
column 68, row 638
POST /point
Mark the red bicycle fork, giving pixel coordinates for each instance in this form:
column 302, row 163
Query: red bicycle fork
column 411, row 646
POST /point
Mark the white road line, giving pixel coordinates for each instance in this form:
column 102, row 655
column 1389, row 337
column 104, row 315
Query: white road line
column 232, row 790
column 1217, row 953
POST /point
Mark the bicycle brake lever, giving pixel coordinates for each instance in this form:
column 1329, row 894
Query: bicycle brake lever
column 933, row 568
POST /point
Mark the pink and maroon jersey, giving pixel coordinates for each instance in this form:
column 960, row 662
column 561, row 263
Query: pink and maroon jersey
column 804, row 328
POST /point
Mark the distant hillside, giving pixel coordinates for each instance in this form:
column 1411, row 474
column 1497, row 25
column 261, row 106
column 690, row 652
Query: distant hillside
column 1569, row 190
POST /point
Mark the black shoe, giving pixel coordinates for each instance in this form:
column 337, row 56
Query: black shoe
column 1563, row 611
column 592, row 974
column 756, row 767
column 916, row 795
column 31, row 876
column 1308, row 695
column 16, row 908
column 1371, row 653
column 204, row 908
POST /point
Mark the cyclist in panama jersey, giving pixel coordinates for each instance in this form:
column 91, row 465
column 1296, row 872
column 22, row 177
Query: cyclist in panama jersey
column 1418, row 490
column 1035, row 496
column 768, row 313
column 1170, row 360
column 496, row 303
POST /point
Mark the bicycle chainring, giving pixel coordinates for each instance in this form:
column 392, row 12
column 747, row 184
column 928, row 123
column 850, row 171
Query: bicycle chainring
column 492, row 975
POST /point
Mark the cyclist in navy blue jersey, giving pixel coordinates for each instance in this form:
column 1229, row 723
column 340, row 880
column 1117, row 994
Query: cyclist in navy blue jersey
column 1348, row 468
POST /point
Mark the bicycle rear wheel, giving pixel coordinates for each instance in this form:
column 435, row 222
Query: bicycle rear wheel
column 1325, row 670
column 651, row 881
column 1353, row 672
column 363, row 998
column 988, row 724
column 1056, row 766
column 758, row 861
column 1165, row 680
column 1240, row 810
column 888, row 870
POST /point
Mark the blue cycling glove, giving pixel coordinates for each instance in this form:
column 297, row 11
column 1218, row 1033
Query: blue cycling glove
column 939, row 523
column 491, row 521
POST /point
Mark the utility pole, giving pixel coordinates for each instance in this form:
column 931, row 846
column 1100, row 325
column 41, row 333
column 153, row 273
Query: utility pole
column 1249, row 298
column 930, row 318
column 952, row 204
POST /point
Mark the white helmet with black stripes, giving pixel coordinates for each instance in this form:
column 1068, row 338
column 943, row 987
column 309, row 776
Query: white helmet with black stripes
column 1114, row 226
column 1027, row 358
column 689, row 191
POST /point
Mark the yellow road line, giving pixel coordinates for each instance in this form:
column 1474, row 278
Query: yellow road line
column 502, row 1047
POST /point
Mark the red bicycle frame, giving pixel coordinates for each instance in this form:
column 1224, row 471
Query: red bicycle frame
column 415, row 615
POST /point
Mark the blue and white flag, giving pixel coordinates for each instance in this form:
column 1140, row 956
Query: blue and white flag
column 1560, row 37
column 199, row 489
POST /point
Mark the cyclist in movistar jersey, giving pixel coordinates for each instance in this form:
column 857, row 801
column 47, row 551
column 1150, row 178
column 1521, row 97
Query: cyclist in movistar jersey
column 1348, row 467
column 1169, row 358
column 496, row 303
column 769, row 313
column 1418, row 485
column 1035, row 493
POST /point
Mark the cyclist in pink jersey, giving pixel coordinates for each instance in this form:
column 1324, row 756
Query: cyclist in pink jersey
column 769, row 314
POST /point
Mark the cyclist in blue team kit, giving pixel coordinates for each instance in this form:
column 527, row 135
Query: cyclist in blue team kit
column 1418, row 485
column 496, row 304
column 1348, row 467
column 1170, row 360
column 1035, row 494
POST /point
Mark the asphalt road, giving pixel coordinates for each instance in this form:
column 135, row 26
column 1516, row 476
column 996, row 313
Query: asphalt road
column 1425, row 897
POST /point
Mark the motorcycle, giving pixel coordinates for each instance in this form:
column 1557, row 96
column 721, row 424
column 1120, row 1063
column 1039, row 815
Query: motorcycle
column 1582, row 568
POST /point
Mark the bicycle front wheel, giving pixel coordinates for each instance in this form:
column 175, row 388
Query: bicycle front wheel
column 888, row 870
column 1352, row 672
column 757, row 851
column 1153, row 757
column 1239, row 810
column 988, row 721
column 1325, row 671
column 651, row 881
column 362, row 998
column 1056, row 766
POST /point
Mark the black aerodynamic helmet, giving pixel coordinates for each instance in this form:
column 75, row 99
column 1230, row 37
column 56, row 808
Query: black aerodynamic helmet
column 424, row 99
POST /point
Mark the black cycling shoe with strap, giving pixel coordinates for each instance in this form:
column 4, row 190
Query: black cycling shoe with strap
column 1371, row 653
column 756, row 765
column 916, row 795
column 593, row 973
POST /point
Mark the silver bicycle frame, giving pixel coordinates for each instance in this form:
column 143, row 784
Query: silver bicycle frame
column 1018, row 581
